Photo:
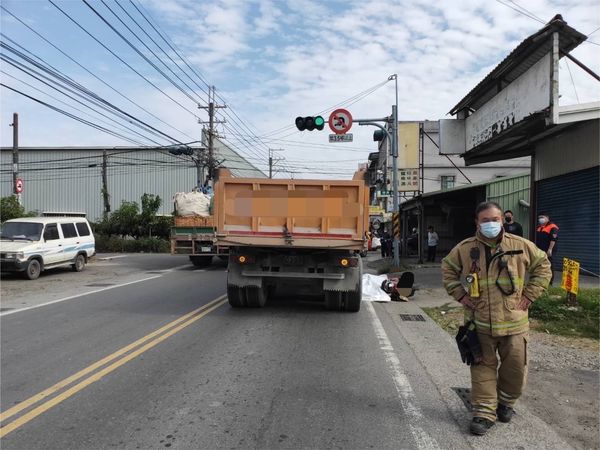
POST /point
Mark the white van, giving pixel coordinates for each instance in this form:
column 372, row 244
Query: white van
column 33, row 244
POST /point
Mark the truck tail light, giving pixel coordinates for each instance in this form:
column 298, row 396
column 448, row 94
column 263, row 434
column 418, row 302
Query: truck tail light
column 348, row 262
column 244, row 259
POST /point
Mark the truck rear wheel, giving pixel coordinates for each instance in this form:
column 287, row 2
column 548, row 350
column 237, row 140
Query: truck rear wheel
column 255, row 297
column 333, row 300
column 201, row 261
column 236, row 296
column 352, row 300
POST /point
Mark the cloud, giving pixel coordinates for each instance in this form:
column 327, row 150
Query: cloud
column 273, row 60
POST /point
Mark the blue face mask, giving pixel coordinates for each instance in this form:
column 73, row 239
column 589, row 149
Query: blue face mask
column 490, row 229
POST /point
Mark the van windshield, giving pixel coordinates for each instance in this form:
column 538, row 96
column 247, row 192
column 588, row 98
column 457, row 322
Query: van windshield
column 21, row 231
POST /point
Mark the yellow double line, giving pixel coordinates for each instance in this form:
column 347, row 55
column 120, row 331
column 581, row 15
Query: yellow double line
column 119, row 357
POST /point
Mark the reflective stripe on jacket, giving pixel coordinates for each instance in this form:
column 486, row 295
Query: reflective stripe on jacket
column 496, row 313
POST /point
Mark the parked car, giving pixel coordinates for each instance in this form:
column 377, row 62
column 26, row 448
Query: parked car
column 33, row 244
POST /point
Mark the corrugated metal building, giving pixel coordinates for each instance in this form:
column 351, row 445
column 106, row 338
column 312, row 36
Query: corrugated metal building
column 452, row 211
column 70, row 179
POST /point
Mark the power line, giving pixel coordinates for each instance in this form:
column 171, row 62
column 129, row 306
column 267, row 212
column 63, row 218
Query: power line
column 64, row 103
column 128, row 42
column 90, row 72
column 72, row 116
column 74, row 87
column 122, row 60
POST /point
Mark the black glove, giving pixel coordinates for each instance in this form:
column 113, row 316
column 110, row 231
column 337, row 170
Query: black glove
column 468, row 344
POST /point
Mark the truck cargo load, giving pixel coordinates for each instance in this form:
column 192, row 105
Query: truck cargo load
column 193, row 231
column 304, row 235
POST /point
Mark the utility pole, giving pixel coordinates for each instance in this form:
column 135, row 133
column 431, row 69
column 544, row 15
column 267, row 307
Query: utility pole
column 105, row 196
column 211, row 107
column 15, row 155
column 271, row 162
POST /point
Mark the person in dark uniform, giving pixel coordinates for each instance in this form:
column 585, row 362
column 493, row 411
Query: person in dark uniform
column 510, row 226
column 546, row 236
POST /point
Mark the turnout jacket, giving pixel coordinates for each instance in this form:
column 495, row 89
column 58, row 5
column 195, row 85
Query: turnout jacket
column 496, row 312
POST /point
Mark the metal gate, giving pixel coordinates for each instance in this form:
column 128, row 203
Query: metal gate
column 572, row 202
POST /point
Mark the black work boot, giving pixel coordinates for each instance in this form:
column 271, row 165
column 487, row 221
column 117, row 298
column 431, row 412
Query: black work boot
column 504, row 413
column 480, row 426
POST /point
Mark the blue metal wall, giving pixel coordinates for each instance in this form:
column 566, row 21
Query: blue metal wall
column 573, row 203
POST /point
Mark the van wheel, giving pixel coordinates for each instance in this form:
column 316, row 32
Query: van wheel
column 33, row 269
column 79, row 263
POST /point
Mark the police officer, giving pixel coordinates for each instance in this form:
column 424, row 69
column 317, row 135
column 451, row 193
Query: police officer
column 546, row 235
column 496, row 264
column 510, row 226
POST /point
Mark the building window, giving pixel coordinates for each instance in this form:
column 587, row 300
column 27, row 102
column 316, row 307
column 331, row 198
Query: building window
column 448, row 181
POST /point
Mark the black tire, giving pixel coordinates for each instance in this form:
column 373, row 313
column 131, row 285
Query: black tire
column 79, row 264
column 201, row 261
column 352, row 300
column 236, row 296
column 333, row 300
column 33, row 269
column 255, row 297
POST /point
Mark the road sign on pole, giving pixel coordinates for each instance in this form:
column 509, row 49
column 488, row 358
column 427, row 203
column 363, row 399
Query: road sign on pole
column 341, row 137
column 340, row 121
column 19, row 185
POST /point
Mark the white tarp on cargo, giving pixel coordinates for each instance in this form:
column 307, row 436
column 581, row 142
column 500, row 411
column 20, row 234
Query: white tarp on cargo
column 192, row 204
column 371, row 288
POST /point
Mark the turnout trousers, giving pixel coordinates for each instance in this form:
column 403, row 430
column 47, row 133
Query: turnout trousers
column 494, row 381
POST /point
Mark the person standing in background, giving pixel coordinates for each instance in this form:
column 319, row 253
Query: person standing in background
column 432, row 242
column 510, row 226
column 546, row 236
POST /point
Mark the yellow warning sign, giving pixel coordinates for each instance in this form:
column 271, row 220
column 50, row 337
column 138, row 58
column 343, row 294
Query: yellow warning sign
column 570, row 276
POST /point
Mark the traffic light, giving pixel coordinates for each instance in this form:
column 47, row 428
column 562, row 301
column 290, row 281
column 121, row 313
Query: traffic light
column 310, row 123
column 181, row 150
column 379, row 135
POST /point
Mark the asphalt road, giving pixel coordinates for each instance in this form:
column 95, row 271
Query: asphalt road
column 163, row 361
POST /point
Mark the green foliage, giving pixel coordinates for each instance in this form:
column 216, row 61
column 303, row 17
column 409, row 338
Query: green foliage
column 549, row 313
column 150, row 232
column 555, row 317
column 106, row 244
column 11, row 209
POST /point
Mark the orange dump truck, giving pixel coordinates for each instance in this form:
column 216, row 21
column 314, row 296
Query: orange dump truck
column 292, row 236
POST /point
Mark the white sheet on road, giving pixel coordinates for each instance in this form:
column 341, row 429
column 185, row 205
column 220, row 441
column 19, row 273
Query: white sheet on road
column 371, row 288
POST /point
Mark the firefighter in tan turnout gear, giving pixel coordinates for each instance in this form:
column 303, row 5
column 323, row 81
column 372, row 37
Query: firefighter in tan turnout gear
column 496, row 276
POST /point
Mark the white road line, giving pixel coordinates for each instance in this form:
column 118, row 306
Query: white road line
column 177, row 268
column 108, row 258
column 403, row 387
column 7, row 313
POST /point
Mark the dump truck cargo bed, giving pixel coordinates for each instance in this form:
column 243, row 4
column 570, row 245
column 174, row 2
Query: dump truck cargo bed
column 291, row 213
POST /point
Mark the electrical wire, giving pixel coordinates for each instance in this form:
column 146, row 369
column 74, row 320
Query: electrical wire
column 72, row 116
column 122, row 60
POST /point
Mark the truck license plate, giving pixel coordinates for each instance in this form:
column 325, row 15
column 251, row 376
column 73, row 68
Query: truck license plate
column 206, row 249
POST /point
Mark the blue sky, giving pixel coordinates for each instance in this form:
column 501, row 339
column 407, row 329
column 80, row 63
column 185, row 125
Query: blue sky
column 272, row 60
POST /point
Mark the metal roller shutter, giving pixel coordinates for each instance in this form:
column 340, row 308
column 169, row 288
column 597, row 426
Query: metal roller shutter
column 572, row 201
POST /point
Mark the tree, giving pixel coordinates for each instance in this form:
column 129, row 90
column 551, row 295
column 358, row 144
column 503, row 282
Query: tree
column 10, row 208
column 148, row 220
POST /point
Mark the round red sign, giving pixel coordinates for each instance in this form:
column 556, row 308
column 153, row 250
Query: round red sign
column 340, row 121
column 19, row 185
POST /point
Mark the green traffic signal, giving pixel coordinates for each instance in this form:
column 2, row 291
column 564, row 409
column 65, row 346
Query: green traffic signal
column 310, row 123
column 319, row 123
